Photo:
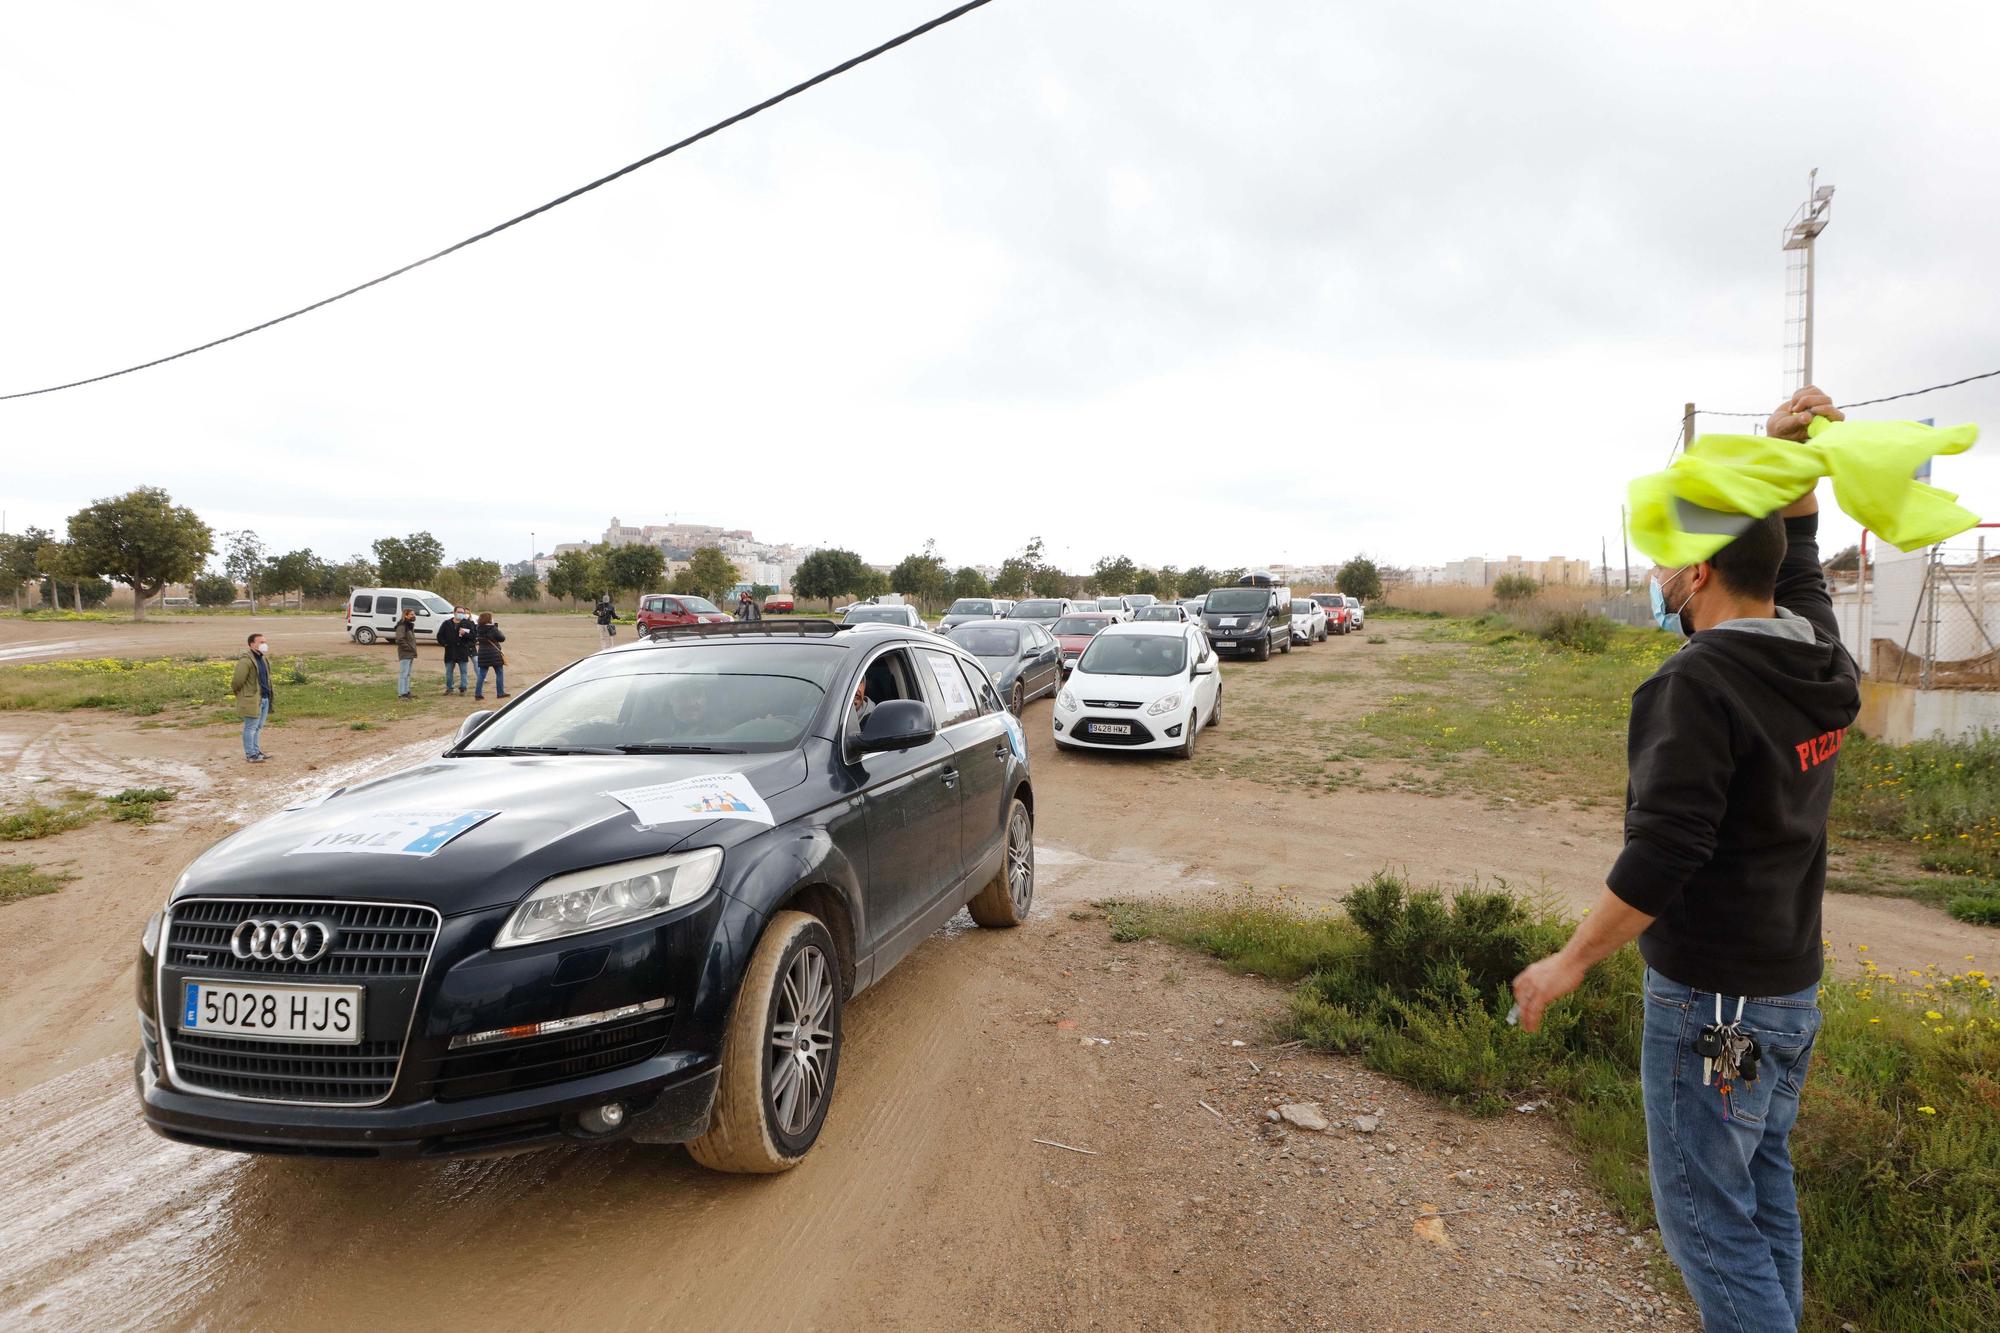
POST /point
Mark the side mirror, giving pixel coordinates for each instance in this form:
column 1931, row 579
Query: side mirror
column 1205, row 668
column 897, row 724
column 472, row 723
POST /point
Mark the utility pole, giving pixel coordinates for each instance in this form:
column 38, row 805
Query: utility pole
column 1807, row 222
column 1625, row 540
column 1604, row 564
column 1687, row 426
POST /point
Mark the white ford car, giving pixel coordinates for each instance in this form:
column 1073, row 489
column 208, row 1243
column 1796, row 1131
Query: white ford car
column 1142, row 685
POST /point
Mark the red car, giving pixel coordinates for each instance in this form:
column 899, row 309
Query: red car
column 779, row 605
column 1074, row 632
column 662, row 608
column 1339, row 620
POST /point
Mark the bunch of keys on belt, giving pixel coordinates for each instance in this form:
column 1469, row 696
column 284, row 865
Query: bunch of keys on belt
column 1726, row 1050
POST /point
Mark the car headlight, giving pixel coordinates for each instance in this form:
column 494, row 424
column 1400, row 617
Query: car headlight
column 1164, row 704
column 613, row 895
column 1066, row 701
column 150, row 941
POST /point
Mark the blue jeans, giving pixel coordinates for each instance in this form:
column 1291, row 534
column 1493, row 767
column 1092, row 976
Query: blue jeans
column 403, row 666
column 1722, row 1164
column 253, row 728
column 464, row 670
column 499, row 680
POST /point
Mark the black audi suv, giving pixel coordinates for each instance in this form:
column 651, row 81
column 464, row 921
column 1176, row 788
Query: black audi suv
column 631, row 904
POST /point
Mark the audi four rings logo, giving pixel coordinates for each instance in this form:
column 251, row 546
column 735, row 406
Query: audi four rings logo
column 282, row 941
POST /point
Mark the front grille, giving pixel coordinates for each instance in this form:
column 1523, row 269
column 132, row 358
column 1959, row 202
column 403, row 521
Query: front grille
column 385, row 940
column 287, row 1071
column 1107, row 703
column 1140, row 735
column 539, row 1061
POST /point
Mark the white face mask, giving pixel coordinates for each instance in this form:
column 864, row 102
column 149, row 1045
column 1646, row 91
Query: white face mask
column 263, row 647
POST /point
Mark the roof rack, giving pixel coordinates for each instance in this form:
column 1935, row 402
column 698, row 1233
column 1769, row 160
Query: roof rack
column 744, row 629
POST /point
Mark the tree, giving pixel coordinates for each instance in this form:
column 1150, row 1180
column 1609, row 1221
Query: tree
column 142, row 539
column 304, row 573
column 1051, row 582
column 1360, row 577
column 524, row 587
column 636, row 568
column 873, row 583
column 761, row 592
column 1114, row 575
column 1508, row 589
column 710, row 573
column 969, row 582
column 214, row 590
column 478, row 576
column 571, row 576
column 244, row 559
column 829, row 573
column 922, row 576
column 20, row 559
column 1847, row 561
column 1197, row 580
column 357, row 571
column 409, row 562
column 1012, row 580
column 61, row 562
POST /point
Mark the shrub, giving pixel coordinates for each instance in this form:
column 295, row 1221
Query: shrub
column 1579, row 631
column 1981, row 909
column 1513, row 589
column 214, row 590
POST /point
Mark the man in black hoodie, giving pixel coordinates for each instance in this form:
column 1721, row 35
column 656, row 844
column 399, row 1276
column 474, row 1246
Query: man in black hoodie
column 1731, row 752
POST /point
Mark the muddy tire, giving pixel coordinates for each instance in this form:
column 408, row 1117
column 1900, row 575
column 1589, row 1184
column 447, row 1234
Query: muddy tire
column 1264, row 649
column 364, row 636
column 1186, row 750
column 780, row 1052
column 1215, row 713
column 1018, row 700
column 1008, row 896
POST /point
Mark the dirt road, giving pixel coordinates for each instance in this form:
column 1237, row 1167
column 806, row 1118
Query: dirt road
column 928, row 1201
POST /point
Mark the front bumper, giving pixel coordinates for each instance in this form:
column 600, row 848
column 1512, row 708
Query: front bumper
column 1237, row 643
column 508, row 1095
column 1164, row 732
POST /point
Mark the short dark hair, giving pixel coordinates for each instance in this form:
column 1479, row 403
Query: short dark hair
column 1748, row 566
column 254, row 636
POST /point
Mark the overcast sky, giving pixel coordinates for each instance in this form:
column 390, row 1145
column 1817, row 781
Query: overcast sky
column 1195, row 282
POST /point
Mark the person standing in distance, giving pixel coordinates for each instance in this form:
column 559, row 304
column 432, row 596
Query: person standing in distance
column 455, row 637
column 406, row 651
column 607, row 618
column 487, row 638
column 747, row 608
column 1732, row 749
column 251, row 684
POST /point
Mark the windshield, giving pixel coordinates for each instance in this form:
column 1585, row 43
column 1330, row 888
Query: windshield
column 876, row 615
column 700, row 606
column 1238, row 599
column 1142, row 599
column 1078, row 625
column 1303, row 606
column 1036, row 610
column 987, row 640
column 439, row 605
column 971, row 606
column 1135, row 655
column 1158, row 613
column 729, row 697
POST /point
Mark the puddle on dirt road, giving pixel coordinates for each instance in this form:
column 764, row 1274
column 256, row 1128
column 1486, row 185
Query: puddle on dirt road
column 27, row 652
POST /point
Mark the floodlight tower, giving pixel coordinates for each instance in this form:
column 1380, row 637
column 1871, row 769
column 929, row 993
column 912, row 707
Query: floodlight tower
column 1807, row 223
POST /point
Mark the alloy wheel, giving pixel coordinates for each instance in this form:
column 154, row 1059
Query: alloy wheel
column 801, row 1041
column 1020, row 861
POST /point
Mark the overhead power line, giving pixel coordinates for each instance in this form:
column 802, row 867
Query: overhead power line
column 537, row 211
column 1865, row 402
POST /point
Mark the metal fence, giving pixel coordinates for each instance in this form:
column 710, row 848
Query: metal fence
column 1930, row 618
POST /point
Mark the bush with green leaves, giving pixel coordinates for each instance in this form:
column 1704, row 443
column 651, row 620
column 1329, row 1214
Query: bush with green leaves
column 1513, row 589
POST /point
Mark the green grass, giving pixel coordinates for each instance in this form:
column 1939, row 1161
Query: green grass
column 40, row 819
column 1938, row 799
column 196, row 689
column 1898, row 1139
column 25, row 881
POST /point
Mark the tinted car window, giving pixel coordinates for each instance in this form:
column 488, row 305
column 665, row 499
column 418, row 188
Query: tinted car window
column 364, row 604
column 1029, row 610
column 700, row 606
column 876, row 615
column 970, row 606
column 1158, row 613
column 1078, row 625
column 1303, row 605
column 412, row 604
column 749, row 697
column 987, row 640
column 439, row 605
column 1238, row 600
column 1135, row 655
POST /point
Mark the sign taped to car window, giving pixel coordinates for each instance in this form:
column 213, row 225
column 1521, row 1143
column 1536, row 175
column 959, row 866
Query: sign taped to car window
column 395, row 833
column 710, row 796
column 951, row 685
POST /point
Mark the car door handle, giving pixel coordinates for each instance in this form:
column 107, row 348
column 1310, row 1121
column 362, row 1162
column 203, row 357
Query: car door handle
column 950, row 777
column 1002, row 750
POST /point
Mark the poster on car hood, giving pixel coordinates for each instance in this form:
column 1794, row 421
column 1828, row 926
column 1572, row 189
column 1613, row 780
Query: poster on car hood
column 394, row 833
column 710, row 796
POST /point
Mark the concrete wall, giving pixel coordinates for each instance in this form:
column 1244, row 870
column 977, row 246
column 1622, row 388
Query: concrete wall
column 1900, row 714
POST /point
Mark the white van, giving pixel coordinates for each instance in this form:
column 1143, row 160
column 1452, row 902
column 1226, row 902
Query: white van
column 372, row 613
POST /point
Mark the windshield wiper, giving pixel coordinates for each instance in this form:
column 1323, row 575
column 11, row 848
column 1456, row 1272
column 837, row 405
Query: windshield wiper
column 542, row 749
column 667, row 747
